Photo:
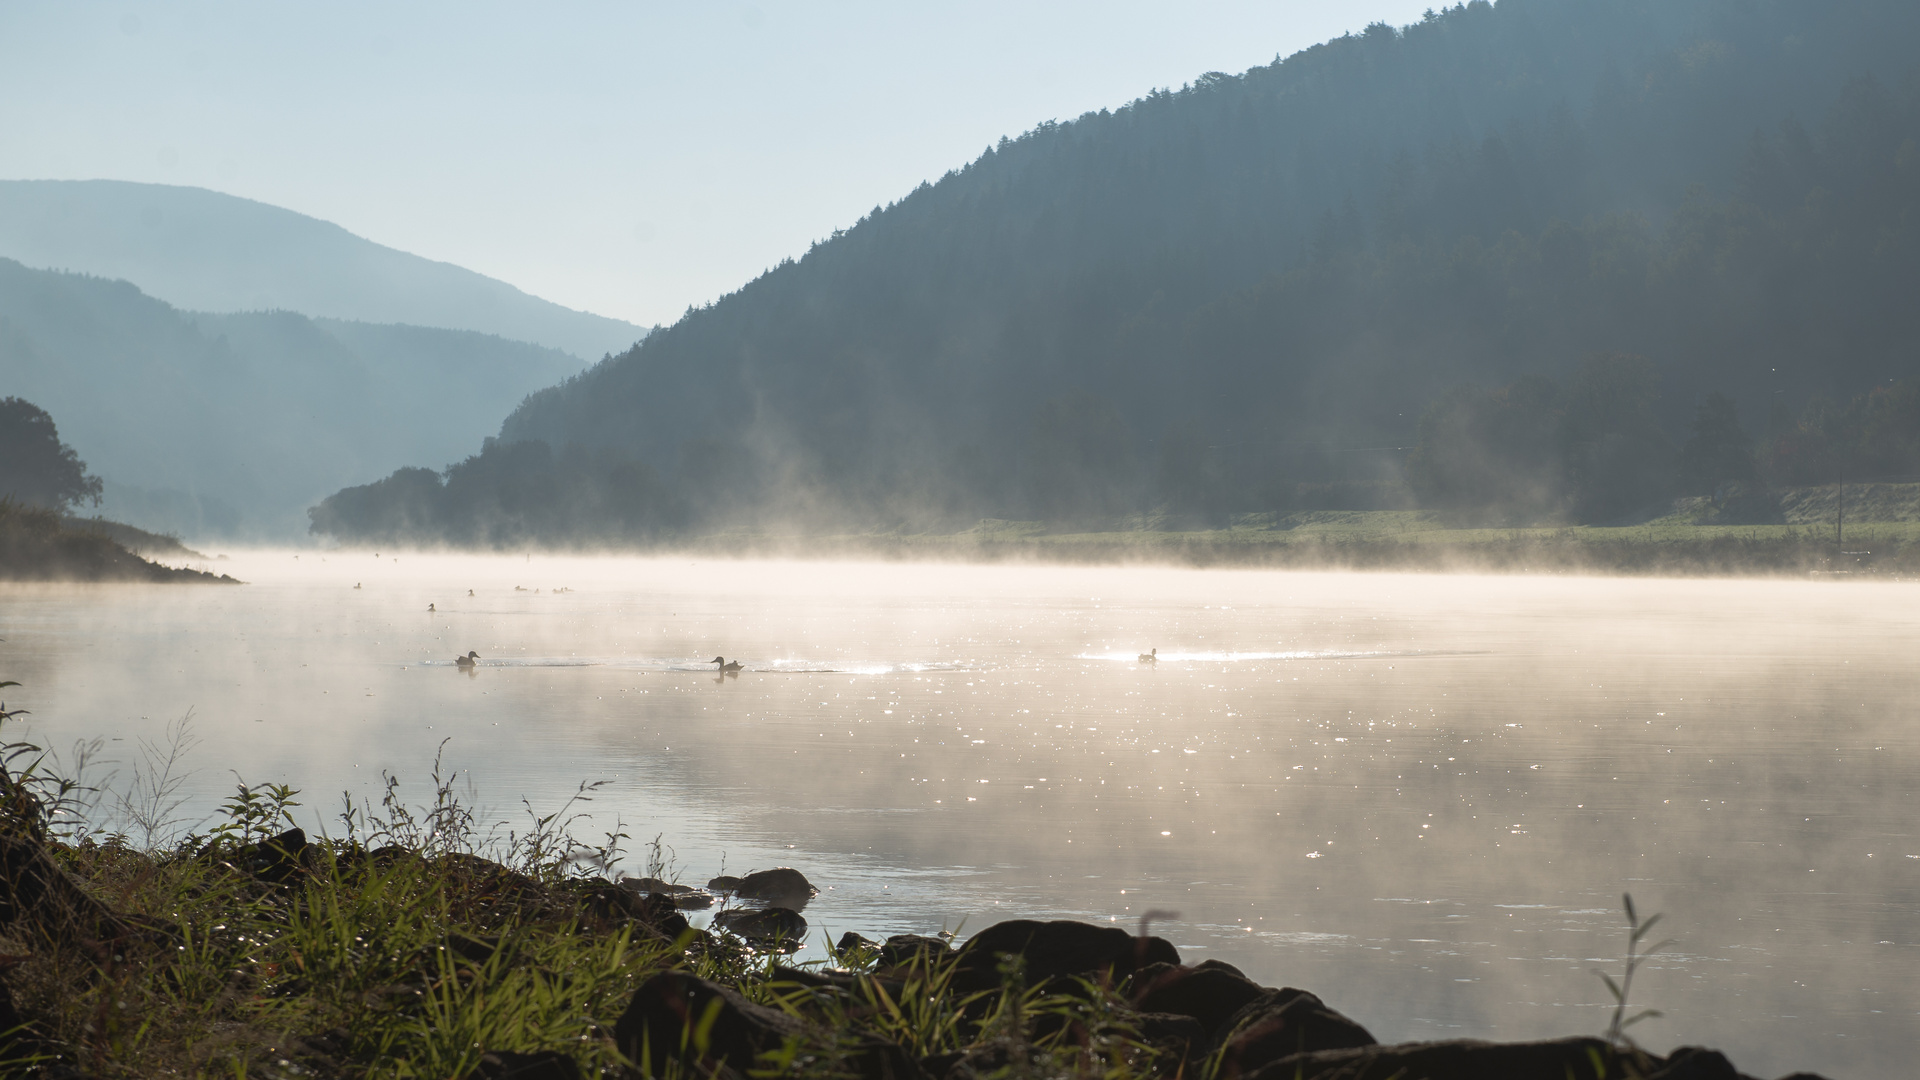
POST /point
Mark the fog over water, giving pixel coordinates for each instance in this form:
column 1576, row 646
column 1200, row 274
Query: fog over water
column 1418, row 796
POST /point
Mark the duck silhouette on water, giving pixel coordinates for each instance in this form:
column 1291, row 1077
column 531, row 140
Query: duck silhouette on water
column 726, row 668
column 1151, row 657
column 467, row 662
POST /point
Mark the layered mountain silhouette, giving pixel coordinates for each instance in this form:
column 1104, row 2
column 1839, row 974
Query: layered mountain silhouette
column 231, row 425
column 204, row 251
column 1261, row 281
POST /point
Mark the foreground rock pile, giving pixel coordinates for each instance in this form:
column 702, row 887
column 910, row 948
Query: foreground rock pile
column 1202, row 1020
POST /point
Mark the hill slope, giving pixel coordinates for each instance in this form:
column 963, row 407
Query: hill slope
column 204, row 251
column 36, row 544
column 229, row 425
column 1232, row 288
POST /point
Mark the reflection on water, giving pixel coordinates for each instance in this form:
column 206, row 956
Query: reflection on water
column 1418, row 796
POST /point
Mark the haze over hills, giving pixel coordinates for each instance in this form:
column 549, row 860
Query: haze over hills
column 1218, row 298
column 204, row 251
column 229, row 426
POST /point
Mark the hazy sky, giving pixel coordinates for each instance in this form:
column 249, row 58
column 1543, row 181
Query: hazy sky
column 625, row 158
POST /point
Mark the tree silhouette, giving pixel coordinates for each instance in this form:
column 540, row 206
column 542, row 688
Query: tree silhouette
column 35, row 467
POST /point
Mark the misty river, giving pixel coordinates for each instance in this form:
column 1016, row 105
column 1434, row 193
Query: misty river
column 1419, row 796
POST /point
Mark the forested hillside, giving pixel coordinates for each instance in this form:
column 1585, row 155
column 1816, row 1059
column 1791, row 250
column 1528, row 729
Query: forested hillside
column 231, row 425
column 1247, row 293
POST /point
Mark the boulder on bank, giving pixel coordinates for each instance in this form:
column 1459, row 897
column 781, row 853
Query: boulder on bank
column 277, row 859
column 1469, row 1059
column 508, row 1065
column 1055, row 949
column 662, row 1020
column 1212, row 995
column 37, row 897
column 905, row 950
column 1287, row 1021
column 1182, row 1039
column 1219, row 965
column 704, row 1027
column 853, row 942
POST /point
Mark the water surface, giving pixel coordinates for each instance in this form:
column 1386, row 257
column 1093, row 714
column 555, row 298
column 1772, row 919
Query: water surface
column 1419, row 796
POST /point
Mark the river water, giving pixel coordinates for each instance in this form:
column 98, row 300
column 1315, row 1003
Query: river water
column 1420, row 796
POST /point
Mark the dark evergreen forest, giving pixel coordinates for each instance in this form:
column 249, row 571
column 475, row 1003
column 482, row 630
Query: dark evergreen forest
column 1540, row 259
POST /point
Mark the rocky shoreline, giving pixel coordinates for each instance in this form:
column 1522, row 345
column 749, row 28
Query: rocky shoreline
column 1020, row 998
column 1207, row 1019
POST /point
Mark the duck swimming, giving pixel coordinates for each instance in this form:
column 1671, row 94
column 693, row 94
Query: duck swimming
column 730, row 669
column 466, row 661
column 1151, row 657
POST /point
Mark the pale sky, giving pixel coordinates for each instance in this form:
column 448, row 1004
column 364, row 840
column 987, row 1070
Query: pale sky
column 628, row 159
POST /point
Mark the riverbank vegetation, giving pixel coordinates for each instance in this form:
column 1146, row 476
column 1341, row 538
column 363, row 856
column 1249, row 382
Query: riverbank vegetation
column 1389, row 541
column 420, row 941
column 1879, row 536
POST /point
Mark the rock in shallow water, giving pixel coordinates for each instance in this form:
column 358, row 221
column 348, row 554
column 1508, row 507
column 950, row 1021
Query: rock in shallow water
column 765, row 925
column 780, row 883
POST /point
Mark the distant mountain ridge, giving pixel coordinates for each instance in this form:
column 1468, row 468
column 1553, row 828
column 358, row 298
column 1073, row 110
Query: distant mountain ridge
column 228, row 426
column 201, row 250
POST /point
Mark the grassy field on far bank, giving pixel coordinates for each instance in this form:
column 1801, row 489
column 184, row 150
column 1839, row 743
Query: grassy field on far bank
column 1400, row 540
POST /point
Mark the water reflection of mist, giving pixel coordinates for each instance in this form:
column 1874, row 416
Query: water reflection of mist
column 1419, row 797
